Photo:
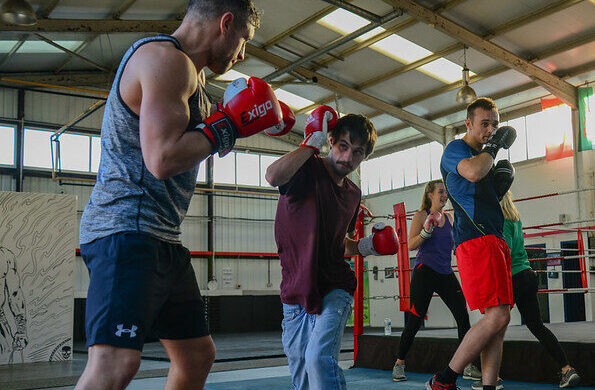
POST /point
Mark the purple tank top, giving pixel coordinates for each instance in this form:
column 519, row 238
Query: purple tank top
column 436, row 251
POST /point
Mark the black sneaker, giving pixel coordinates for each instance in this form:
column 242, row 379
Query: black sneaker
column 569, row 379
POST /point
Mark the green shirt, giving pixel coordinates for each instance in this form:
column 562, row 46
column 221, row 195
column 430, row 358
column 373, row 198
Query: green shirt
column 513, row 234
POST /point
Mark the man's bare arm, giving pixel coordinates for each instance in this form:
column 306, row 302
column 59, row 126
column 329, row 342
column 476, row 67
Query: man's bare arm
column 167, row 81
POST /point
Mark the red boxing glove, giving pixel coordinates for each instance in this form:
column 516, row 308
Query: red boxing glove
column 286, row 124
column 248, row 108
column 433, row 219
column 383, row 241
column 319, row 121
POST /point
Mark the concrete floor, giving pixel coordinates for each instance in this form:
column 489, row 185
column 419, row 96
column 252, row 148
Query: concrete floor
column 256, row 360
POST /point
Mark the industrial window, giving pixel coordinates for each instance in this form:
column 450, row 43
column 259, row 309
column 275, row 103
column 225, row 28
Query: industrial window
column 7, row 145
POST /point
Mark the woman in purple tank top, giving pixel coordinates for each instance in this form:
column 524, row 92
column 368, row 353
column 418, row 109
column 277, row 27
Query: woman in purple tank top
column 431, row 234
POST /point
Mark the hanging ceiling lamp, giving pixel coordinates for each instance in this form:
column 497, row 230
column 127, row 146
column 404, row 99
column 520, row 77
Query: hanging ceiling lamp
column 466, row 94
column 18, row 12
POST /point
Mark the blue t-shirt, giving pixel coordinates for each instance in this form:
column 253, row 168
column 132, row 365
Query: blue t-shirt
column 476, row 206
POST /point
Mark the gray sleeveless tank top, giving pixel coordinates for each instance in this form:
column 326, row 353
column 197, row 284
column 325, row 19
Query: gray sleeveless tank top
column 127, row 197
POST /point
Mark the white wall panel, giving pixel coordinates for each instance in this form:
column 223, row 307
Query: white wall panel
column 8, row 103
column 263, row 141
column 7, row 183
column 535, row 177
column 58, row 109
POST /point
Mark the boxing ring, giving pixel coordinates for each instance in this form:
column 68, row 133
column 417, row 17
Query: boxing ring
column 433, row 349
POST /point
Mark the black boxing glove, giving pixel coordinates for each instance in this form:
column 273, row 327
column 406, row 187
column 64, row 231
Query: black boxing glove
column 503, row 138
column 503, row 177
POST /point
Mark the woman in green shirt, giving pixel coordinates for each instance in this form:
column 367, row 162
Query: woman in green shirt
column 524, row 286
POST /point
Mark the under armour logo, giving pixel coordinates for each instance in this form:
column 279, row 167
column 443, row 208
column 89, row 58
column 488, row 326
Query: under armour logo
column 131, row 331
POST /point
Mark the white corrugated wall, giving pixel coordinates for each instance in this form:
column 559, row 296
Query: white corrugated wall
column 536, row 177
column 58, row 109
column 8, row 103
column 7, row 183
column 231, row 235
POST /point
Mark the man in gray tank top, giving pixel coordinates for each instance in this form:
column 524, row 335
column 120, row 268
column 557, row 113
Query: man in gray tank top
column 141, row 279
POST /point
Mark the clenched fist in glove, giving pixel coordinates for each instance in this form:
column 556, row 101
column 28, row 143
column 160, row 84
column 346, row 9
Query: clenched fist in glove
column 248, row 108
column 434, row 219
column 503, row 138
column 286, row 124
column 319, row 122
column 383, row 241
column 503, row 177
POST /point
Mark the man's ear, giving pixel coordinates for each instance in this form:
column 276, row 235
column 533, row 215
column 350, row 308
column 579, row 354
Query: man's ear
column 331, row 140
column 226, row 23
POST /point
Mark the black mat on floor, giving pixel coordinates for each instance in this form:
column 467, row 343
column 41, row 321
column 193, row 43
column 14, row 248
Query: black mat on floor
column 522, row 360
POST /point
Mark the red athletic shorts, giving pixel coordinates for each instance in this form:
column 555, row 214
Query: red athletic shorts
column 484, row 267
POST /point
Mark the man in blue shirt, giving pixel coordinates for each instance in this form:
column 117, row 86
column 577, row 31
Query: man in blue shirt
column 483, row 258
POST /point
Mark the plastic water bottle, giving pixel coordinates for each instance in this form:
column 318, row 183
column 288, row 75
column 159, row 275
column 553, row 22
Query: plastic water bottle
column 387, row 328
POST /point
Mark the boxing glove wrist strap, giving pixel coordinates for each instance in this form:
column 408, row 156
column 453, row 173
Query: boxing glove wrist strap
column 425, row 234
column 491, row 149
column 220, row 131
column 365, row 247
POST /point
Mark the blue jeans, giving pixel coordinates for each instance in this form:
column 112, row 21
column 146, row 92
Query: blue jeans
column 312, row 342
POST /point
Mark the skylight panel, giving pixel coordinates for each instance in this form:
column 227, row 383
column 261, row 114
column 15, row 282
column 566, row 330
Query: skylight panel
column 400, row 49
column 292, row 100
column 444, row 70
column 231, row 75
column 370, row 34
column 343, row 21
column 6, row 46
column 393, row 46
column 40, row 47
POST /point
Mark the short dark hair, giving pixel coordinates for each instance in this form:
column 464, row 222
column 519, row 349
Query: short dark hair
column 360, row 130
column 244, row 11
column 484, row 103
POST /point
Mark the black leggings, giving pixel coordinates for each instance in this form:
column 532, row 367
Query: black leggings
column 524, row 286
column 424, row 282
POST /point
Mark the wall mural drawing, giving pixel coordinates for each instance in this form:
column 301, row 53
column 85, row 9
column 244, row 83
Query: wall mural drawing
column 37, row 244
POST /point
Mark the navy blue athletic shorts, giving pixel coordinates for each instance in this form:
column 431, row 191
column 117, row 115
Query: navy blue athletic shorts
column 140, row 286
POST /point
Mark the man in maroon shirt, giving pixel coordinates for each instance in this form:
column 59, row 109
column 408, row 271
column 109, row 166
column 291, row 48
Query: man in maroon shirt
column 318, row 206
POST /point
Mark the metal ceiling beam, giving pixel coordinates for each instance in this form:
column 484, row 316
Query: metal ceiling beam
column 90, row 62
column 563, row 74
column 42, row 12
column 558, row 49
column 499, row 30
column 116, row 15
column 378, row 37
column 372, row 17
column 293, row 29
column 46, row 10
column 86, row 79
column 566, row 92
column 98, row 26
column 332, row 45
column 14, row 49
column 429, row 128
column 566, row 74
column 392, row 30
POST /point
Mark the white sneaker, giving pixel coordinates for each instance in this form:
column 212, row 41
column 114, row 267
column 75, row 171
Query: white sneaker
column 399, row 373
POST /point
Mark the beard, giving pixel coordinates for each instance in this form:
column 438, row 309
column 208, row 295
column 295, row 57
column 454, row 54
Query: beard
column 341, row 169
column 221, row 66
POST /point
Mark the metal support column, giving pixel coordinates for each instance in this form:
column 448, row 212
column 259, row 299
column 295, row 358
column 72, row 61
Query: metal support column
column 210, row 223
column 20, row 135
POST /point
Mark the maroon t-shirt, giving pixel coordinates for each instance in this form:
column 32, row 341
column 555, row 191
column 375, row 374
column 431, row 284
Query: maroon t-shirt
column 313, row 216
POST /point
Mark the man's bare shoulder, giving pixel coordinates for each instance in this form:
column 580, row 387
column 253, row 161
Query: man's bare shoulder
column 164, row 64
